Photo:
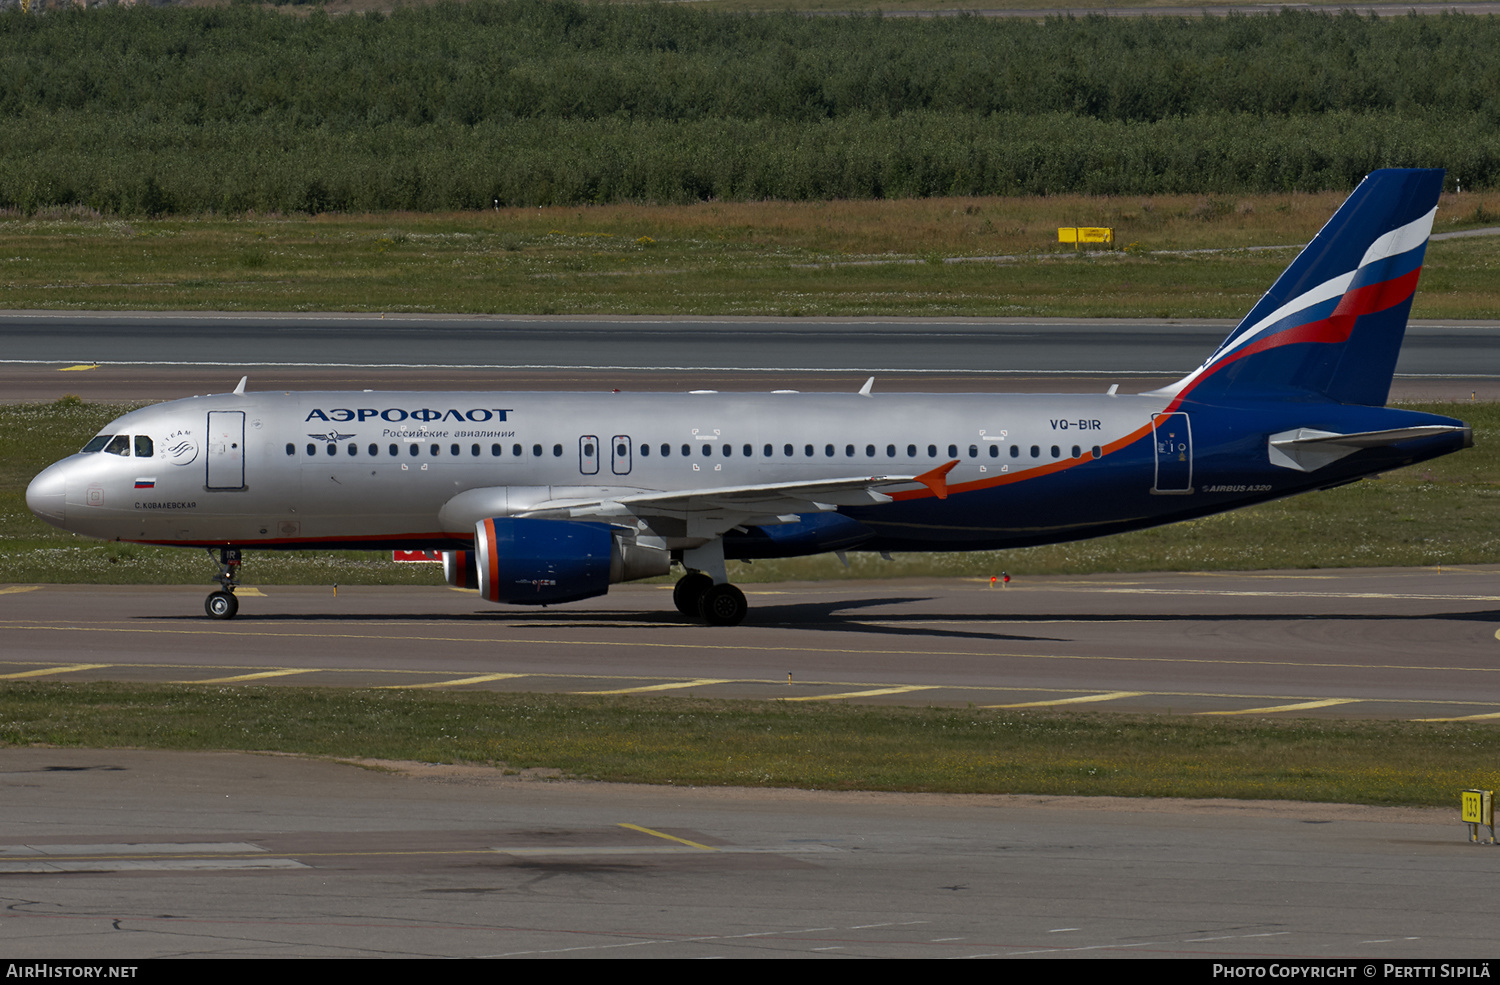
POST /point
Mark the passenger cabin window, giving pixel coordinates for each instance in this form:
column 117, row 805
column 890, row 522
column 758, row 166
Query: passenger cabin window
column 291, row 449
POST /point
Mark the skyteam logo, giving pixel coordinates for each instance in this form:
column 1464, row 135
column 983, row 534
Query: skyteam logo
column 181, row 449
column 395, row 415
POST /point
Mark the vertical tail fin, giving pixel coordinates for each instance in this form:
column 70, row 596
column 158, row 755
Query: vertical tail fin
column 1332, row 324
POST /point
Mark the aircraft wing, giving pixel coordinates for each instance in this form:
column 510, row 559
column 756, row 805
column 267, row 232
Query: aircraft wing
column 711, row 511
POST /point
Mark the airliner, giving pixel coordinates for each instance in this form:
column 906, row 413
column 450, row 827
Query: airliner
column 536, row 499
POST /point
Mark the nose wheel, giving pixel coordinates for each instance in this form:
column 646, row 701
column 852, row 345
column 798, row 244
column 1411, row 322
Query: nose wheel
column 222, row 604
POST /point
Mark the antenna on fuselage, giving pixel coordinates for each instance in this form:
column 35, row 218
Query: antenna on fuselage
column 239, row 390
column 864, row 391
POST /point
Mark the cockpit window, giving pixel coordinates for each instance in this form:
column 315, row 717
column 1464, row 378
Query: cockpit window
column 143, row 447
column 120, row 445
column 96, row 443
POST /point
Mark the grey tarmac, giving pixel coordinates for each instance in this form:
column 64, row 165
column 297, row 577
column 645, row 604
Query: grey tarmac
column 141, row 356
column 1361, row 643
column 127, row 854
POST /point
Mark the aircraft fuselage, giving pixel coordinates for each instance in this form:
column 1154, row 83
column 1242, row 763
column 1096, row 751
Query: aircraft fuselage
column 377, row 469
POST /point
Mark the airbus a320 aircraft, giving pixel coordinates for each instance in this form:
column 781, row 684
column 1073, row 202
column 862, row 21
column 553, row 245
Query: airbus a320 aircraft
column 546, row 498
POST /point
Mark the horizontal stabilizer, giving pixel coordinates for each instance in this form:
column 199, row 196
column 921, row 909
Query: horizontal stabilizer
column 1307, row 449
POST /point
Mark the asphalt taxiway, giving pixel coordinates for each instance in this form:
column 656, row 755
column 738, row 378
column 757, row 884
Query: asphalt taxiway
column 127, row 854
column 1374, row 643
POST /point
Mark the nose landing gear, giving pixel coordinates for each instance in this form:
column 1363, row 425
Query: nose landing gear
column 222, row 604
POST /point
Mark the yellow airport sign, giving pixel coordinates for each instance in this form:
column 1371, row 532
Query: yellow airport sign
column 1085, row 234
column 1477, row 808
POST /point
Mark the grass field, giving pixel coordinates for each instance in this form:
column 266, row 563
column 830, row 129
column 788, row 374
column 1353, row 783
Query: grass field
column 1186, row 8
column 862, row 258
column 773, row 744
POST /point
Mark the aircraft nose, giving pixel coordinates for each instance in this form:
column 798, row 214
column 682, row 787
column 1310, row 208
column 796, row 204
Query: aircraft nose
column 46, row 495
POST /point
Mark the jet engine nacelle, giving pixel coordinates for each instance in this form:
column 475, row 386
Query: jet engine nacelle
column 527, row 561
column 461, row 569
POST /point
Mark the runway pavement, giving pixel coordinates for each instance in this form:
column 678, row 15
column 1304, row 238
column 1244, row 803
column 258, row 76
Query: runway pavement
column 162, row 355
column 1375, row 643
column 127, row 854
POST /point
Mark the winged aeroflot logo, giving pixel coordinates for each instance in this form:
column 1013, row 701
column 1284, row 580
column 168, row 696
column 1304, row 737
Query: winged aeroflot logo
column 331, row 437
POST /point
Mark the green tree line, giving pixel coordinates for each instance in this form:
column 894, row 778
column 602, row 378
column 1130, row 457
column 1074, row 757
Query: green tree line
column 550, row 101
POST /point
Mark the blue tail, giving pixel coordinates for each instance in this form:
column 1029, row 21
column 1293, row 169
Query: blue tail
column 1332, row 324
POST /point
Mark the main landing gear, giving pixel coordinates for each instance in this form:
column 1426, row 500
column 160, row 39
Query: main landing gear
column 705, row 590
column 222, row 604
column 718, row 605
